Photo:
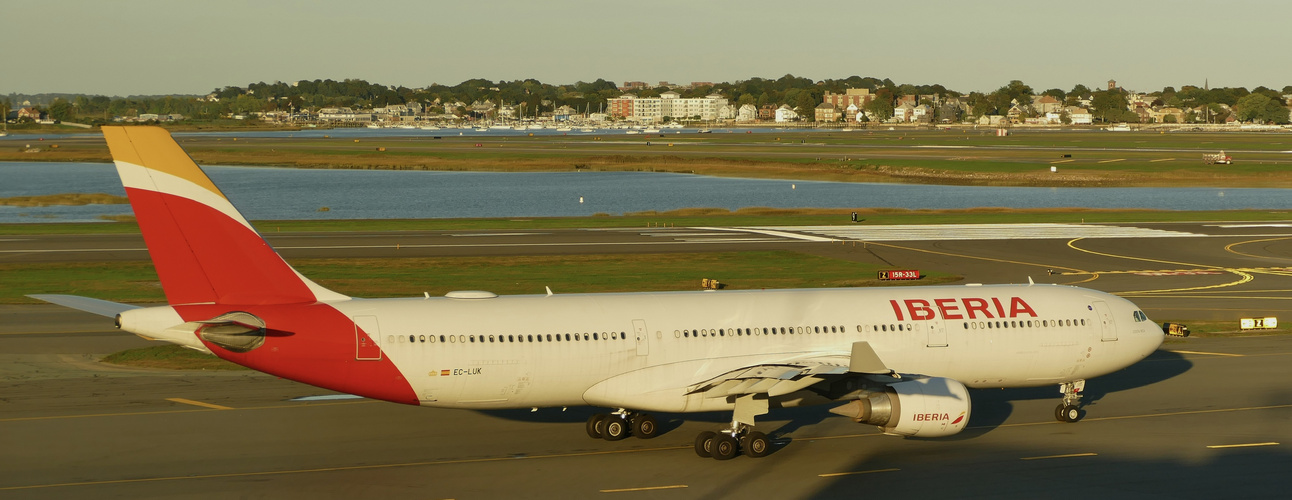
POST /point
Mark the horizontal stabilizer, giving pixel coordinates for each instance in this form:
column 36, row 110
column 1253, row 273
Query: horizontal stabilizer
column 93, row 306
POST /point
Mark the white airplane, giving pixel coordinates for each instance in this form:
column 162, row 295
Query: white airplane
column 897, row 358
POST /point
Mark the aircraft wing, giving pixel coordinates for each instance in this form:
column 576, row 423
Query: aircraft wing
column 780, row 378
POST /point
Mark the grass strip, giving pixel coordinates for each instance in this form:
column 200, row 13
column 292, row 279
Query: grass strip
column 138, row 282
column 706, row 217
column 169, row 357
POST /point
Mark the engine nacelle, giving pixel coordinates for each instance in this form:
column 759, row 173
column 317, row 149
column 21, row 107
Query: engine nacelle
column 929, row 407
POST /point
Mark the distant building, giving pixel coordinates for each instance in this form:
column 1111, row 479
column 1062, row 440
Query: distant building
column 727, row 112
column 670, row 104
column 1046, row 104
column 30, row 113
column 1080, row 116
column 786, row 114
column 631, row 86
column 904, row 113
column 826, row 112
column 922, row 113
column 858, row 97
column 747, row 113
column 1112, row 84
column 767, row 112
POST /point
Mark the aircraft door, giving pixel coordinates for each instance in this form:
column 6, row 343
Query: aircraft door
column 643, row 339
column 937, row 334
column 1107, row 326
column 366, row 335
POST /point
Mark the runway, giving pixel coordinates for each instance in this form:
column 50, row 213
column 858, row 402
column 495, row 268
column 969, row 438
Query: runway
column 1201, row 417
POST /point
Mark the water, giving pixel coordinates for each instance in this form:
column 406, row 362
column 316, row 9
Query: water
column 278, row 193
column 368, row 133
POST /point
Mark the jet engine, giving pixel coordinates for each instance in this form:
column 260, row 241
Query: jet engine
column 927, row 407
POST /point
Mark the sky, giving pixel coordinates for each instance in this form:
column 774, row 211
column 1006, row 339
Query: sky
column 149, row 47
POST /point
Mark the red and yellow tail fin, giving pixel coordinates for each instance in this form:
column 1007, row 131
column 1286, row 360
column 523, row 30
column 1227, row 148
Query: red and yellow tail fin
column 203, row 249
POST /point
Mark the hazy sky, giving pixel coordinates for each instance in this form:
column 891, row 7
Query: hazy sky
column 123, row 47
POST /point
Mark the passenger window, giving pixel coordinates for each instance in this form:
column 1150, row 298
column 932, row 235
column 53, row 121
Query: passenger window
column 441, row 338
column 411, row 339
column 594, row 335
column 390, row 338
column 421, row 338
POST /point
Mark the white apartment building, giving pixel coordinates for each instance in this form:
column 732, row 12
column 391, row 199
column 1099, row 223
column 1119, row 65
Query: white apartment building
column 670, row 104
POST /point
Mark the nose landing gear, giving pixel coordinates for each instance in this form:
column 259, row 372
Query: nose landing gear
column 1070, row 409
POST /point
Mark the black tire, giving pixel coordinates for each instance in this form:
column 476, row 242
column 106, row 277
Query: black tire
column 724, row 447
column 756, row 445
column 594, row 425
column 1071, row 414
column 614, row 428
column 703, row 443
column 1058, row 412
column 644, row 426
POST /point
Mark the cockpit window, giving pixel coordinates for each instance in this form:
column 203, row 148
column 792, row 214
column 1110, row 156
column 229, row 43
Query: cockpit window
column 1140, row 316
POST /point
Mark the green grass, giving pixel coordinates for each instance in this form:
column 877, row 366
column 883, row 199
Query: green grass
column 169, row 357
column 137, row 281
column 1222, row 329
column 704, row 217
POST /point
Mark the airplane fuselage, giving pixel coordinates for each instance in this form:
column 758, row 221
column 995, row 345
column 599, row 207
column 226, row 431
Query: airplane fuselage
column 642, row 350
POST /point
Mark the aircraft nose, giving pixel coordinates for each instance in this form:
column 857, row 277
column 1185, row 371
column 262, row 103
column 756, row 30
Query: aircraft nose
column 1152, row 338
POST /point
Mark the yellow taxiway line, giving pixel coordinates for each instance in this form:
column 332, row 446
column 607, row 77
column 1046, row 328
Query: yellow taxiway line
column 1243, row 445
column 1160, row 159
column 647, row 488
column 1207, row 353
column 1069, row 455
column 1111, row 161
column 198, row 403
column 837, row 474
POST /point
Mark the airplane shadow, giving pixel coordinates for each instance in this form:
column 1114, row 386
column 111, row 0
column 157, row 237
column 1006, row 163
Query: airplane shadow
column 991, row 407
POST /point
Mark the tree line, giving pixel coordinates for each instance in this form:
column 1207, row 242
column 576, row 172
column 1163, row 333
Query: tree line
column 1107, row 105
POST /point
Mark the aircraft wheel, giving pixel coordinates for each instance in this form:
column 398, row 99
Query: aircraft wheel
column 644, row 426
column 724, row 447
column 704, row 443
column 614, row 428
column 1058, row 412
column 594, row 425
column 1071, row 413
column 756, row 445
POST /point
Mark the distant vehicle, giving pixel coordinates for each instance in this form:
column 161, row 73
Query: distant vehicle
column 1120, row 127
column 1175, row 329
column 1217, row 159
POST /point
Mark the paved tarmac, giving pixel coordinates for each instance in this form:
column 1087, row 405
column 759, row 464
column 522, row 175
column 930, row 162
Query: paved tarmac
column 1201, row 417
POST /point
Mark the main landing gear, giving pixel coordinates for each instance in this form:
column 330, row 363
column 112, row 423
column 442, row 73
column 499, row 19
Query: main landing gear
column 740, row 436
column 1070, row 409
column 727, row 443
column 618, row 425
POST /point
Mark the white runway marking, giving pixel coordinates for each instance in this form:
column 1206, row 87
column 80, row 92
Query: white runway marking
column 971, row 232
